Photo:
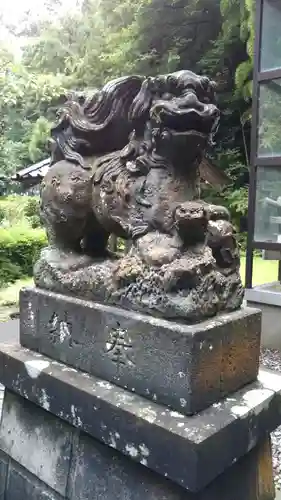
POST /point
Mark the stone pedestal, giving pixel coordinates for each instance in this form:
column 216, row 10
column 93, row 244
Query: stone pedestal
column 68, row 434
column 186, row 367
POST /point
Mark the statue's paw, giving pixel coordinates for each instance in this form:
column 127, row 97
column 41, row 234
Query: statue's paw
column 63, row 260
column 127, row 270
column 157, row 249
column 186, row 272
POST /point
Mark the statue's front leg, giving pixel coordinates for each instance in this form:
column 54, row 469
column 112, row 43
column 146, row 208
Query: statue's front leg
column 74, row 234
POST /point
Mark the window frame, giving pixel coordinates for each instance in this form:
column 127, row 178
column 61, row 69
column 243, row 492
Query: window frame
column 259, row 78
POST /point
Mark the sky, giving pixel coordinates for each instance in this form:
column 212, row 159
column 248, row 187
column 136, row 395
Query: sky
column 14, row 9
column 13, row 12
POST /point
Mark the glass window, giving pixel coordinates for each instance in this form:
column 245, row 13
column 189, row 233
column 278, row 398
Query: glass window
column 269, row 127
column 271, row 35
column 268, row 205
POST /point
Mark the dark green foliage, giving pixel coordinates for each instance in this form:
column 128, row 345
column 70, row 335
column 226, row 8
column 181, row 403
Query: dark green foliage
column 105, row 39
column 19, row 249
column 35, row 221
column 235, row 195
column 2, row 214
column 32, row 212
column 28, row 102
column 9, row 272
column 32, row 207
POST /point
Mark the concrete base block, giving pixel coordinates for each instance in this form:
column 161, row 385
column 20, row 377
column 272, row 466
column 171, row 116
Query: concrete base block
column 95, row 470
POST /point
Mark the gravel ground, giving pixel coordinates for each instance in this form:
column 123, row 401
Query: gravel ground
column 272, row 359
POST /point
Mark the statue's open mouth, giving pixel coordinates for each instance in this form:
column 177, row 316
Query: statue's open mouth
column 200, row 121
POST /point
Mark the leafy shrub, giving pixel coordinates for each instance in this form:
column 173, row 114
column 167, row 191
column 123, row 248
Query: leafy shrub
column 20, row 247
column 32, row 207
column 13, row 209
column 2, row 214
column 9, row 272
column 35, row 221
column 237, row 202
column 19, row 210
column 32, row 212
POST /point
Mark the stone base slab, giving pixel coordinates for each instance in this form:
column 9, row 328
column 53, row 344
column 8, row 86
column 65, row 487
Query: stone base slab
column 76, row 466
column 271, row 325
column 189, row 451
column 268, row 293
column 267, row 298
column 185, row 367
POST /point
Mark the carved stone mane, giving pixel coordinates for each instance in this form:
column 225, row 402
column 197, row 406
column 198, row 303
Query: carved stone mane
column 87, row 121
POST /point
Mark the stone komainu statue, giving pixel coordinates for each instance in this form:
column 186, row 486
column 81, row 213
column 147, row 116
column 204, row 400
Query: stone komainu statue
column 125, row 161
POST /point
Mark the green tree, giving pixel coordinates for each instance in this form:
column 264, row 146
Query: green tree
column 103, row 39
column 27, row 107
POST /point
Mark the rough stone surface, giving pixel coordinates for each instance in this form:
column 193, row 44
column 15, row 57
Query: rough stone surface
column 4, row 461
column 97, row 471
column 1, row 397
column 125, row 162
column 39, row 445
column 249, row 479
column 143, row 430
column 271, row 359
column 186, row 367
column 22, row 485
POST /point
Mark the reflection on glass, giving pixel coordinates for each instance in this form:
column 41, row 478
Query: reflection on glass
column 269, row 128
column 268, row 205
column 271, row 35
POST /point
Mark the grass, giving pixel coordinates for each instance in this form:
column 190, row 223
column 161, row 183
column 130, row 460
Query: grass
column 9, row 298
column 13, row 208
column 264, row 271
